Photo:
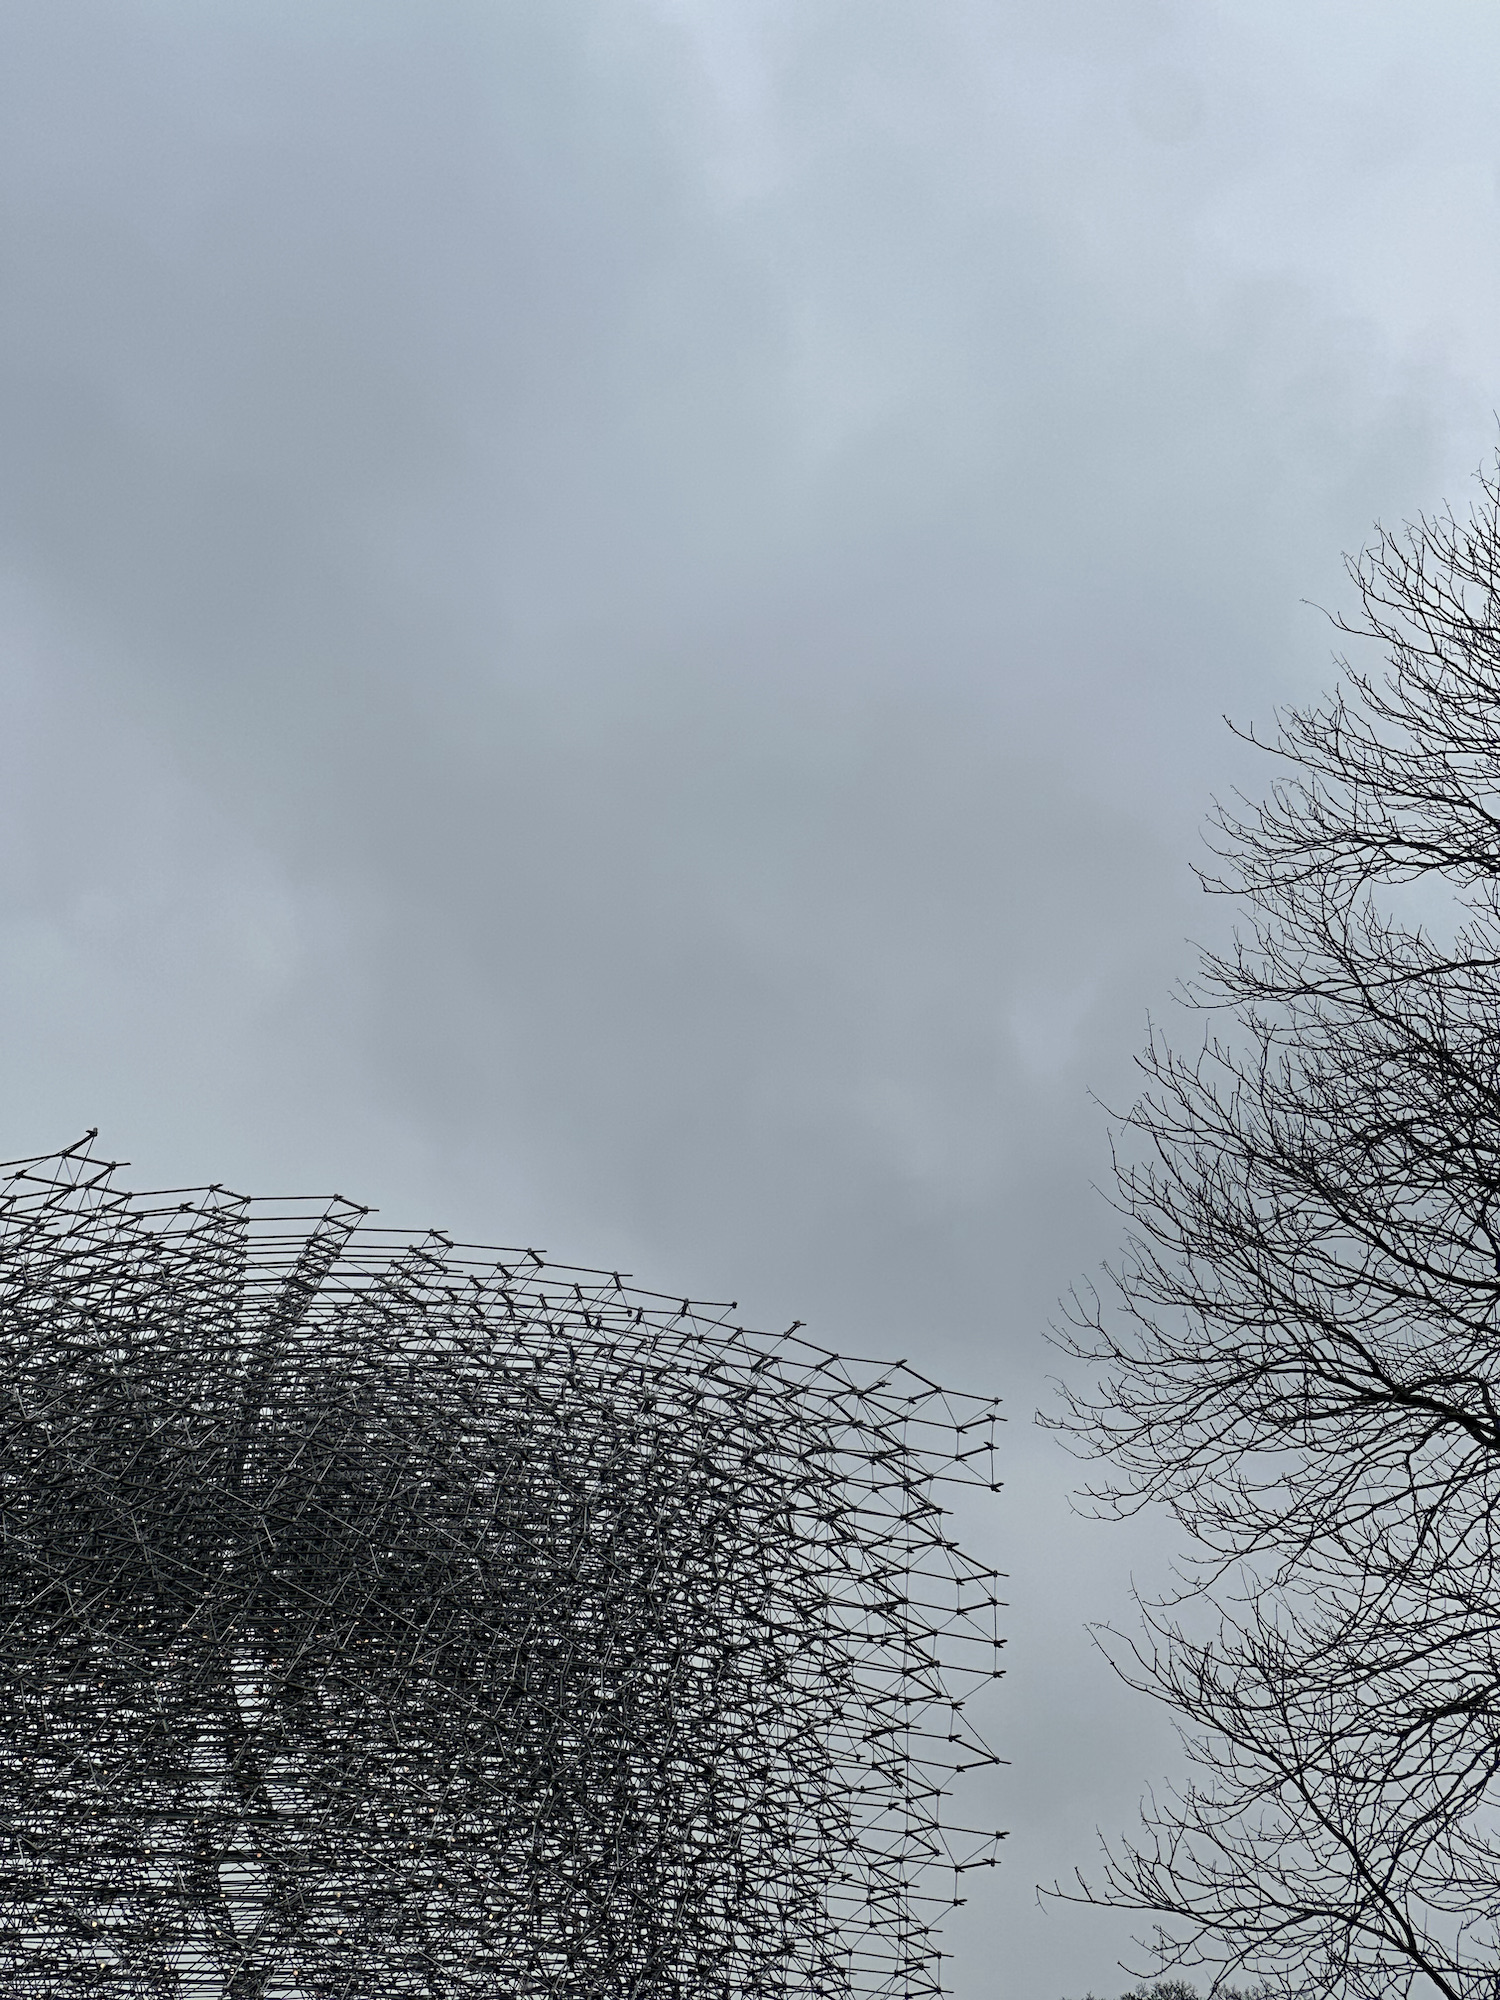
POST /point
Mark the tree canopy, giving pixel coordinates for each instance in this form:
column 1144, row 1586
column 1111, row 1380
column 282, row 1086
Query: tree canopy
column 1299, row 1352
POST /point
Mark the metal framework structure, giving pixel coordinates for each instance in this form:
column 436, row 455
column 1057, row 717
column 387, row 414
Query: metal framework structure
column 384, row 1616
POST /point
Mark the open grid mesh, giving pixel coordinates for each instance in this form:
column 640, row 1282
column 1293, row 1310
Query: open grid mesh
column 387, row 1616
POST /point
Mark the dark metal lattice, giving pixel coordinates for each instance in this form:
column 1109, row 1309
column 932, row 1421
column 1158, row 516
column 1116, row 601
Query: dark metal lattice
column 384, row 1616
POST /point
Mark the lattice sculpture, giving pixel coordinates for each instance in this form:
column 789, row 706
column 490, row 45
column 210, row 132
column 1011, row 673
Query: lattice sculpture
column 385, row 1616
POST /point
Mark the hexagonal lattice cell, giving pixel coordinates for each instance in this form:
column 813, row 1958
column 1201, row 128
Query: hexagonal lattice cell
column 383, row 1615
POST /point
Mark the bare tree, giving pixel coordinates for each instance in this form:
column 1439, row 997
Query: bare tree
column 1302, row 1355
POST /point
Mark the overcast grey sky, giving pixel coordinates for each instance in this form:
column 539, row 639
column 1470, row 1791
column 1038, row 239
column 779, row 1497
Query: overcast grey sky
column 615, row 615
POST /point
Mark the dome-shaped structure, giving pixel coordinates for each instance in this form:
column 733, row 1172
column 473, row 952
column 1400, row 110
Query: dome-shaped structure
column 381, row 1615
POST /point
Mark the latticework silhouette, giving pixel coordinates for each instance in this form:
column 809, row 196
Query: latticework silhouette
column 384, row 1616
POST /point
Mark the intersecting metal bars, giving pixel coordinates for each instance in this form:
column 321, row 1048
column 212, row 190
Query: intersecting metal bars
column 384, row 1615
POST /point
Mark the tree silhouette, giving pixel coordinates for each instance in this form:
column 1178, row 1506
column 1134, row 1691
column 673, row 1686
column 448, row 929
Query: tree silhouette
column 381, row 1615
column 1306, row 1360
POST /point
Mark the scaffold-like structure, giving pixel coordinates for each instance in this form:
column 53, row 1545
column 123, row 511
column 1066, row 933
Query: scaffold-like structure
column 383, row 1616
